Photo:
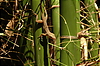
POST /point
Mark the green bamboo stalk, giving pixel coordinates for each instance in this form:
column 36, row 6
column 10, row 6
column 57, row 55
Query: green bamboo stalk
column 39, row 59
column 56, row 26
column 78, row 54
column 69, row 27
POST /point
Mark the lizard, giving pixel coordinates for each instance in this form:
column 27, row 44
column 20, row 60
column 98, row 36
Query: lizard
column 45, row 26
column 52, row 36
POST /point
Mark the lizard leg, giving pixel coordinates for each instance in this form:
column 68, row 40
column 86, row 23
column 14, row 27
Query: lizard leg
column 43, row 34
